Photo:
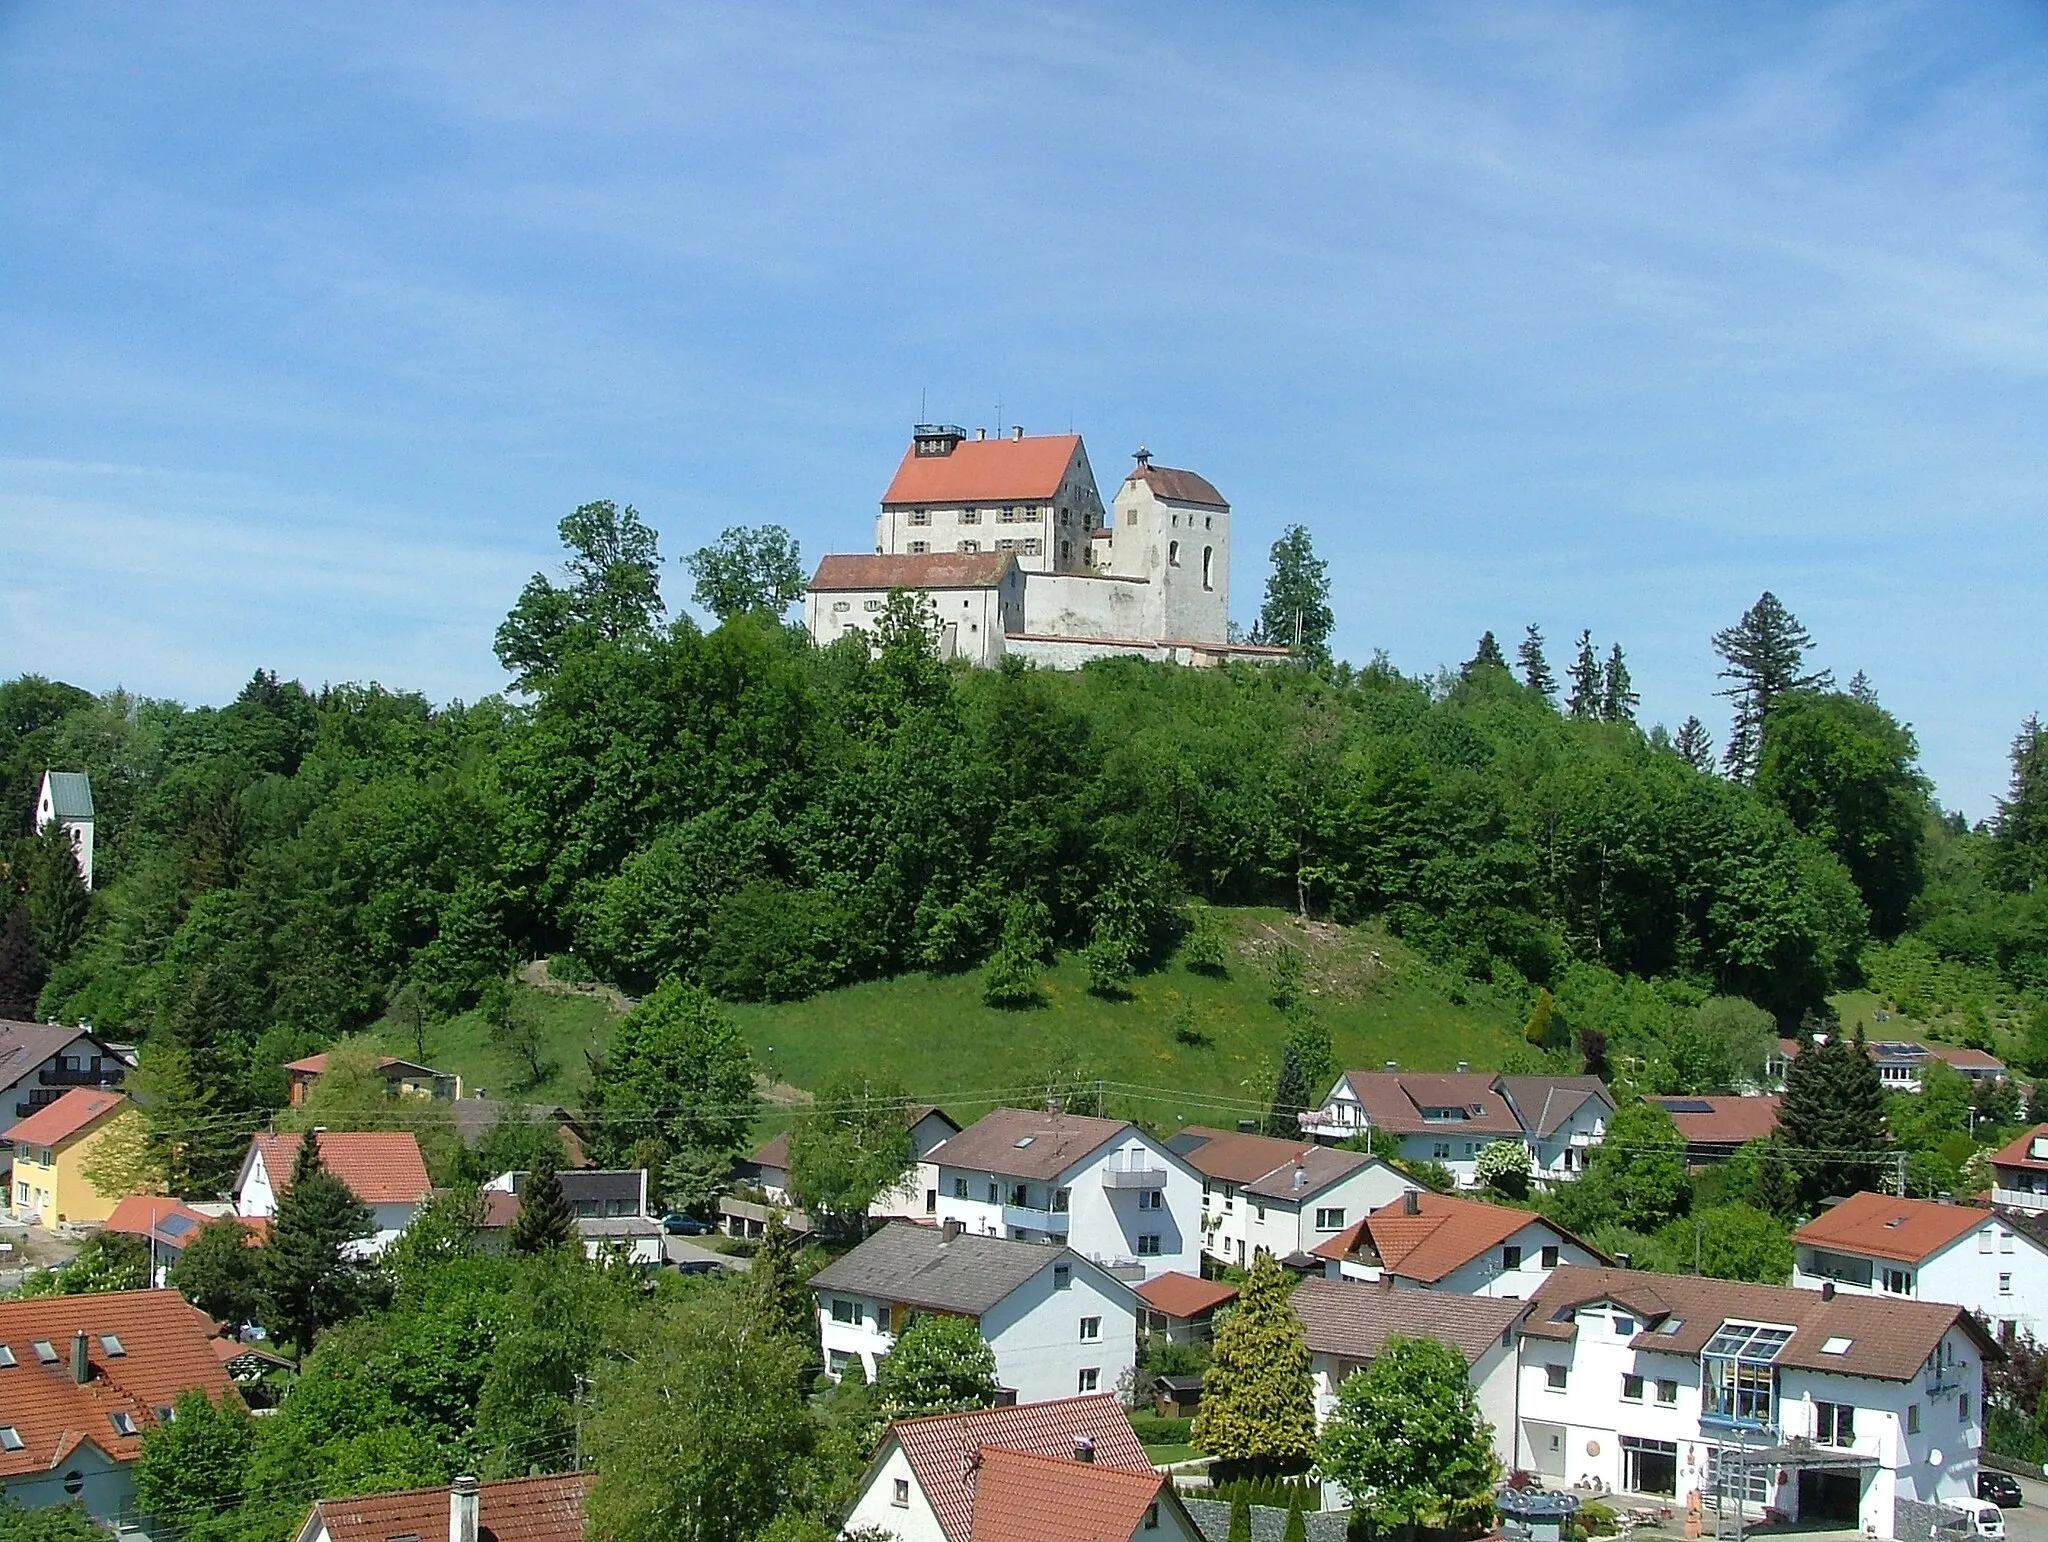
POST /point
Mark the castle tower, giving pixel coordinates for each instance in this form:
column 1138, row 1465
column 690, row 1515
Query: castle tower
column 1172, row 528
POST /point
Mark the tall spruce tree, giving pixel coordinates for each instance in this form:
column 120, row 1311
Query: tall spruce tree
column 1694, row 745
column 1489, row 656
column 544, row 1222
column 1832, row 1120
column 21, row 967
column 775, row 1286
column 1618, row 701
column 310, row 1278
column 1290, row 1096
column 1775, row 1191
column 1535, row 667
column 1763, row 655
column 57, row 900
column 1589, row 681
column 2020, row 829
column 1860, row 689
column 1258, row 1405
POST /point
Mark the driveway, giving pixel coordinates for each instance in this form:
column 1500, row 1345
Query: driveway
column 2029, row 1524
column 681, row 1250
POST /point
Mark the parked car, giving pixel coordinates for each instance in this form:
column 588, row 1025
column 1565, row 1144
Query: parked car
column 2001, row 1488
column 1975, row 1518
column 677, row 1224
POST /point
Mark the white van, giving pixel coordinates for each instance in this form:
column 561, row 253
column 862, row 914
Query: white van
column 1975, row 1518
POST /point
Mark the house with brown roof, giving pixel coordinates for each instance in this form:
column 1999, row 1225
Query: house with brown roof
column 1280, row 1197
column 2019, row 1172
column 165, row 1225
column 548, row 1508
column 1067, row 1468
column 1348, row 1323
column 1450, row 1117
column 1901, row 1063
column 405, row 1078
column 82, row 1379
column 1103, row 1187
column 1460, row 1247
column 40, row 1062
column 1180, row 1307
column 1926, row 1250
column 1715, row 1128
column 55, row 1179
column 382, row 1168
column 767, row 1168
column 1829, row 1406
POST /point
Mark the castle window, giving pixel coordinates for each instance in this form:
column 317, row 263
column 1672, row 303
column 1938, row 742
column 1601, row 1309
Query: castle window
column 1208, row 567
column 839, row 605
column 920, row 516
column 970, row 516
column 1208, row 522
column 1033, row 546
column 1173, row 554
column 970, row 546
column 871, row 605
column 1066, row 551
column 919, row 548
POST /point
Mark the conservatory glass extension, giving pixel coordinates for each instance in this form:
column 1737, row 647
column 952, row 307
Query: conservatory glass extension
column 1738, row 1375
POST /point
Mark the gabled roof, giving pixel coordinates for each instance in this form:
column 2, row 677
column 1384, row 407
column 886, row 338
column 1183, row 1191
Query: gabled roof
column 1354, row 1320
column 1026, row 1142
column 1721, row 1121
column 1440, row 1235
column 316, row 1065
column 922, row 1266
column 143, row 1348
column 1184, row 1295
column 1544, row 1103
column 2018, row 1152
column 1396, row 1100
column 774, row 1152
column 78, row 1110
column 543, row 1509
column 1262, row 1164
column 24, row 1046
column 380, row 1167
column 1021, row 1496
column 1964, row 1058
column 942, row 1449
column 158, row 1218
column 913, row 570
column 1177, row 486
column 985, row 471
column 70, row 794
column 1884, row 1337
column 1906, row 1230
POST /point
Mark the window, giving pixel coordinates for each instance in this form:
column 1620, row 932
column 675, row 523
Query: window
column 1208, row 567
column 1631, row 1387
column 1020, row 1196
column 1550, row 1257
column 1750, row 1483
column 1963, row 1408
column 1441, row 1151
column 970, row 546
column 931, row 1201
column 1148, row 1245
column 837, row 1361
column 845, row 1311
column 1667, row 1392
column 959, row 1188
column 970, row 516
column 995, row 1192
column 1261, row 1211
column 1173, row 554
column 920, row 516
column 10, row 1438
column 1066, row 551
column 1554, row 1377
column 1511, row 1258
column 1091, row 1329
column 123, row 1421
column 1152, row 1516
column 1624, row 1326
column 837, row 607
column 1912, row 1418
column 164, row 1412
column 1062, row 1276
column 1329, row 1218
column 1737, row 1375
column 899, row 1493
column 882, row 1319
column 6, row 1357
column 1155, row 1199
column 1060, row 1200
column 2004, row 1241
column 918, row 548
column 1984, row 1240
column 1033, row 546
column 1899, row 1281
column 2005, row 1284
column 1834, row 1424
column 1088, row 1379
column 46, row 1351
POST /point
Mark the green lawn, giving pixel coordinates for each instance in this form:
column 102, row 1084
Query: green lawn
column 569, row 1026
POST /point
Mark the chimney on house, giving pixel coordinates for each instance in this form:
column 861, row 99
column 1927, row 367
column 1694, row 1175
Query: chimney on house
column 462, row 1510
column 1300, row 1176
column 1411, row 1202
column 952, row 1229
column 981, row 433
column 1622, row 1260
column 1016, row 431
column 1827, row 1290
column 81, row 1367
column 1084, row 1449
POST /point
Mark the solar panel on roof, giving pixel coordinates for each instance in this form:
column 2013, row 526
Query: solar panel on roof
column 175, row 1225
column 1685, row 1105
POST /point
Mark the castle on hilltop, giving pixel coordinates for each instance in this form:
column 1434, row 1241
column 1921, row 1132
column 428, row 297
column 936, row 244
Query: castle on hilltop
column 1009, row 538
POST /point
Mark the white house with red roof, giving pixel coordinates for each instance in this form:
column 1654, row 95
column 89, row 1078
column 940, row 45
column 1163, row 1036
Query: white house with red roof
column 1924, row 1250
column 1281, row 1197
column 382, row 1168
column 1009, row 540
column 1461, row 1247
column 2019, row 1172
column 544, row 1508
column 1067, row 1468
column 1450, row 1117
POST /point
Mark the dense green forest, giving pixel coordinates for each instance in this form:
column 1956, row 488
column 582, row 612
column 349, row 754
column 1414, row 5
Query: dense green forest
column 744, row 812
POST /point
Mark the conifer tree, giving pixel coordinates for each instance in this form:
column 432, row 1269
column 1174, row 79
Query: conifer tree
column 1618, row 702
column 1535, row 667
column 1258, row 1405
column 545, row 1221
column 1489, row 656
column 2020, row 828
column 1763, row 654
column 1309, row 1037
column 1543, row 1026
column 1290, row 1096
column 1296, row 1529
column 1833, row 1117
column 57, row 898
column 309, row 1277
column 1774, row 1191
column 21, row 966
column 1240, row 1518
column 1862, row 690
column 1589, row 681
column 781, row 1302
column 1694, row 745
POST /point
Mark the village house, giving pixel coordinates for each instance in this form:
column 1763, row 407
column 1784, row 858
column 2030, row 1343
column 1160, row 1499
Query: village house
column 54, row 1177
column 1057, row 1323
column 767, row 1170
column 2019, row 1172
column 1827, row 1406
column 1715, row 1128
column 1066, row 1468
column 1929, row 1251
column 1450, row 1117
column 1348, row 1323
column 405, row 1078
column 65, row 799
column 613, row 1216
column 163, row 1224
column 548, row 1508
column 40, row 1062
column 1280, row 1197
column 82, row 1379
column 1101, row 1186
column 1460, row 1247
column 475, row 1116
column 1902, row 1065
column 1180, row 1307
column 382, row 1168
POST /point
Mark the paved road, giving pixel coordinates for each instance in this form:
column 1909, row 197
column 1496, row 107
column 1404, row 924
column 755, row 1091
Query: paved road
column 679, row 1250
column 2031, row 1523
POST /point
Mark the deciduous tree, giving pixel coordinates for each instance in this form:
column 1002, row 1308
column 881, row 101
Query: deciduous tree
column 849, row 1147
column 939, row 1364
column 193, row 1468
column 748, row 568
column 218, row 1272
column 1296, row 613
column 678, row 1069
column 612, row 594
column 1407, row 1439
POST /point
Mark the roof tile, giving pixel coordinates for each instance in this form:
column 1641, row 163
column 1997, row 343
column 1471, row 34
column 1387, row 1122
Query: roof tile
column 1021, row 1496
column 920, row 1265
column 59, row 1121
column 1026, row 1142
column 1184, row 1295
column 912, row 570
column 1882, row 1226
column 380, row 1167
column 541, row 1509
column 1354, row 1319
column 985, row 471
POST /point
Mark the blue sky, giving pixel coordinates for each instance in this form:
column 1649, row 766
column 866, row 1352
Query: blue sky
column 314, row 320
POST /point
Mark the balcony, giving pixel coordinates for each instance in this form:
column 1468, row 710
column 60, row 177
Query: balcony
column 91, row 1076
column 1134, row 1177
column 1024, row 1218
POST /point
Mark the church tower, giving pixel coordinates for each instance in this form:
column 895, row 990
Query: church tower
column 1172, row 529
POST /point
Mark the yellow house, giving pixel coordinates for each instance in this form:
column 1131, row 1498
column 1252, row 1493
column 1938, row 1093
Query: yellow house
column 52, row 1147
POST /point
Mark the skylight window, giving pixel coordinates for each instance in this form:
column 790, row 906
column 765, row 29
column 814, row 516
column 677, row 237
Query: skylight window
column 1752, row 1343
column 123, row 1421
column 45, row 1351
column 10, row 1438
column 1025, row 1140
column 6, row 1356
column 1670, row 1326
column 1836, row 1346
column 111, row 1343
